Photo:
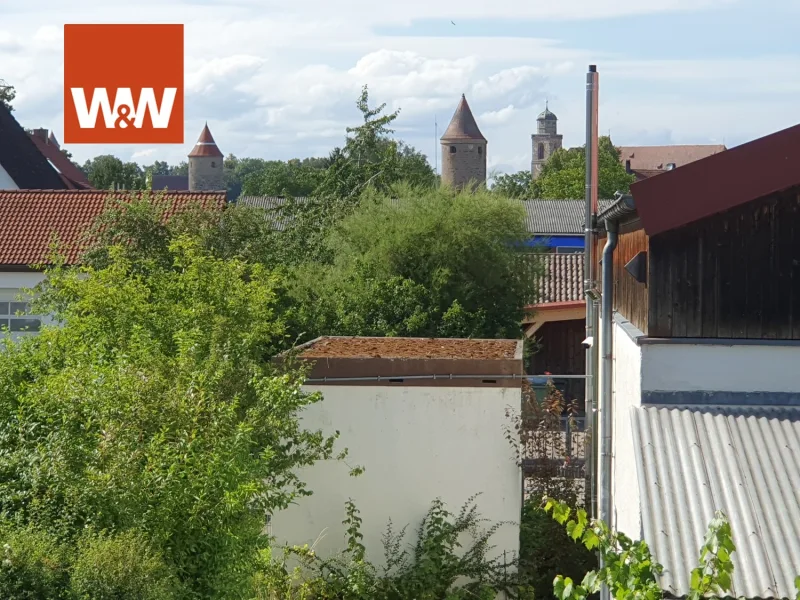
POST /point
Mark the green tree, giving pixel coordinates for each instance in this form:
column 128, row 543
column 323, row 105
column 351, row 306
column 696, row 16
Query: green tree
column 7, row 94
column 438, row 263
column 514, row 185
column 106, row 171
column 564, row 174
column 370, row 159
column 154, row 408
column 181, row 168
column 278, row 178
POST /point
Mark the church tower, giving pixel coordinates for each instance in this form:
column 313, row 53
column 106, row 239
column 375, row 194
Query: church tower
column 205, row 165
column 463, row 149
column 545, row 141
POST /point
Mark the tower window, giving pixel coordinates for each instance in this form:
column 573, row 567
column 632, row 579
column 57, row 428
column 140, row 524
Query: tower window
column 540, row 151
column 452, row 149
column 213, row 164
column 480, row 150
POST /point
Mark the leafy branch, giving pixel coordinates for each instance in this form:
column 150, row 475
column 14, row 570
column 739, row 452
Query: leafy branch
column 629, row 570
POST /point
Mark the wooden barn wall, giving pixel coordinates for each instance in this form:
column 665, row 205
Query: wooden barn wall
column 630, row 296
column 561, row 353
column 733, row 275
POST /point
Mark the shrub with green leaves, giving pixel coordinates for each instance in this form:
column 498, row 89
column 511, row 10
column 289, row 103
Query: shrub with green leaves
column 438, row 566
column 154, row 407
column 121, row 567
column 33, row 565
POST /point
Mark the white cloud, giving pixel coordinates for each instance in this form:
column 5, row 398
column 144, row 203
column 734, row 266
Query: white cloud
column 143, row 153
column 498, row 117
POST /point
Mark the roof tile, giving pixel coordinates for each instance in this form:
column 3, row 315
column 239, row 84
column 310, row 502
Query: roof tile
column 30, row 218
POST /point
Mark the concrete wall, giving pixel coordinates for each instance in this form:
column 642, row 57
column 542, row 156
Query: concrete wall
column 416, row 443
column 6, row 183
column 627, row 375
column 467, row 163
column 717, row 367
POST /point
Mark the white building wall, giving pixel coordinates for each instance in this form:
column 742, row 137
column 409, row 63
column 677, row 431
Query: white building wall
column 416, row 444
column 6, row 183
column 627, row 372
column 717, row 367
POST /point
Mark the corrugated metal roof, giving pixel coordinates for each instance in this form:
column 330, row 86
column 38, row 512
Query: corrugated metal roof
column 557, row 216
column 744, row 461
column 543, row 217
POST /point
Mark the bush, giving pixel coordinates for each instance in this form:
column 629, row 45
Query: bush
column 121, row 567
column 546, row 551
column 436, row 567
column 34, row 566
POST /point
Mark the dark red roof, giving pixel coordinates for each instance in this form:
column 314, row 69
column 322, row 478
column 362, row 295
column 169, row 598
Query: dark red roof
column 205, row 146
column 719, row 182
column 30, row 218
column 462, row 126
column 72, row 176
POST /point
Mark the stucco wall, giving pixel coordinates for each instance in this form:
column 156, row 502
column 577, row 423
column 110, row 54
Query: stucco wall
column 6, row 183
column 627, row 393
column 718, row 367
column 416, row 444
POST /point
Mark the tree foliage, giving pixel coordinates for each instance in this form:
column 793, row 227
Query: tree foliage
column 438, row 263
column 7, row 94
column 564, row 174
column 514, row 185
column 629, row 570
column 106, row 171
column 154, row 408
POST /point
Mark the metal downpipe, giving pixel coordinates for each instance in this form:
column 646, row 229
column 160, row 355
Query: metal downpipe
column 606, row 384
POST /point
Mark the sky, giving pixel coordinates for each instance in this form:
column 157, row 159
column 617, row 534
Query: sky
column 279, row 80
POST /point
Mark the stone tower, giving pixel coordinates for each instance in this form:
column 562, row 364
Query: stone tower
column 545, row 141
column 205, row 165
column 463, row 149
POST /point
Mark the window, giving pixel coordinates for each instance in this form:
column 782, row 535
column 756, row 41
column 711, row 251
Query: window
column 452, row 149
column 14, row 315
column 568, row 250
column 480, row 150
column 213, row 164
column 540, row 152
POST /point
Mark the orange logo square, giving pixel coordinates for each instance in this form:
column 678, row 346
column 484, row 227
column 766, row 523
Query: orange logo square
column 123, row 84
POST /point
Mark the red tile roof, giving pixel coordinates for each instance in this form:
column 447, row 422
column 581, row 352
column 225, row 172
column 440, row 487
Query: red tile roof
column 658, row 157
column 30, row 218
column 72, row 176
column 205, row 146
column 462, row 126
column 562, row 279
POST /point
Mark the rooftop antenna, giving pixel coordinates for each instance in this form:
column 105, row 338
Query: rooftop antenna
column 436, row 144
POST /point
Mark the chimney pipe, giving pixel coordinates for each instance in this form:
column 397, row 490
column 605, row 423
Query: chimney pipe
column 590, row 285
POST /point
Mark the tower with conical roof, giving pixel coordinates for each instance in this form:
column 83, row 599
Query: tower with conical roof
column 205, row 164
column 463, row 149
column 545, row 141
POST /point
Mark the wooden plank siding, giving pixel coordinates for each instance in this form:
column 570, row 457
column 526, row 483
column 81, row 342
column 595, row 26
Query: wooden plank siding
column 732, row 275
column 560, row 351
column 630, row 296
